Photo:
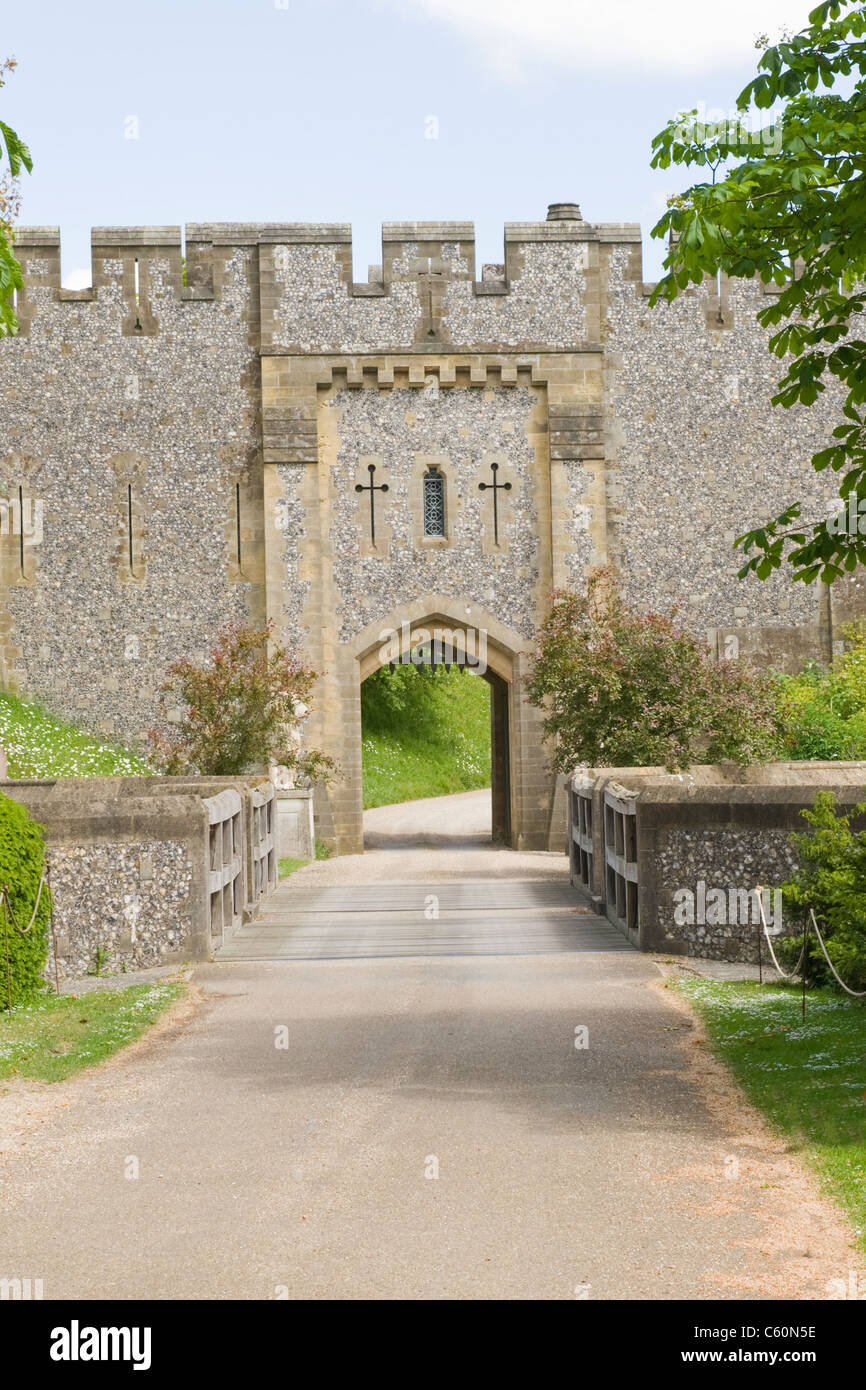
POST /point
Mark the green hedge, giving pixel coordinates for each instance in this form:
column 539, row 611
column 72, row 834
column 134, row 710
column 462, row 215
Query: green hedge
column 22, row 856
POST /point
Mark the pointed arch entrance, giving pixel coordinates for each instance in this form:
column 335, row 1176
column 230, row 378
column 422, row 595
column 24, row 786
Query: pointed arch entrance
column 521, row 783
column 448, row 648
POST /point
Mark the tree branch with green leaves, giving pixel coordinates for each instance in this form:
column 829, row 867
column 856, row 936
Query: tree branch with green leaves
column 14, row 156
column 786, row 203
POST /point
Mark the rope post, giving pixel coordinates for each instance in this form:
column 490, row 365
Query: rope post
column 53, row 928
column 3, row 893
column 805, row 960
column 759, row 927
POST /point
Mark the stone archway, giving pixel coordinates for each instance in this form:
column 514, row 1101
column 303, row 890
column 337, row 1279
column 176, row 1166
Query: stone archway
column 522, row 786
column 500, row 749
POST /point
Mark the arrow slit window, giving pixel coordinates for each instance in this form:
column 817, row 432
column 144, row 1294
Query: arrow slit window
column 434, row 503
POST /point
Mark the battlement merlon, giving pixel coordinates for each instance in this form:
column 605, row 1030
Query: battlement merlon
column 37, row 250
column 28, row 237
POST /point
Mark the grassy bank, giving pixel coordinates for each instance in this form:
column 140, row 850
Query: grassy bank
column 57, row 1035
column 38, row 744
column 809, row 1079
column 424, row 735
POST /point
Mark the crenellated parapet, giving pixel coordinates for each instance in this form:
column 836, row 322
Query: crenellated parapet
column 426, row 292
column 133, row 269
column 555, row 288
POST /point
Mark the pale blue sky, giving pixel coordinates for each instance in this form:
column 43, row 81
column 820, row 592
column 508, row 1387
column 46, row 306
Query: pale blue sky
column 317, row 110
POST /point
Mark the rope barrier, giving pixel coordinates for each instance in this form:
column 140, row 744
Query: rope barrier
column 786, row 974
column 857, row 993
column 53, row 926
column 23, row 931
column 789, row 975
column 6, row 945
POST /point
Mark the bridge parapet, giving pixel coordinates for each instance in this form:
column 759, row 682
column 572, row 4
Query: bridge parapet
column 673, row 859
column 152, row 870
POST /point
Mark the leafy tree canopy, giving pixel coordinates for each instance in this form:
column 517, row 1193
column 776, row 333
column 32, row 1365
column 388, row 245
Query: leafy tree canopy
column 787, row 202
column 14, row 156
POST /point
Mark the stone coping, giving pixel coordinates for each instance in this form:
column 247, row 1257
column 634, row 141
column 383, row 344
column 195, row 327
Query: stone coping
column 305, row 233
column 726, row 780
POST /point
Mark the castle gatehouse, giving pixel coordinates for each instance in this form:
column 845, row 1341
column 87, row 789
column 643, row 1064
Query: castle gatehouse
column 228, row 426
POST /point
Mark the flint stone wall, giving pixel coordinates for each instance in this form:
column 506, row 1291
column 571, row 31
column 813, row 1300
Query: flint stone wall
column 698, row 455
column 466, row 426
column 92, row 408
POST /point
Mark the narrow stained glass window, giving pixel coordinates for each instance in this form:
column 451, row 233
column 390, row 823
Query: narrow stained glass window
column 434, row 503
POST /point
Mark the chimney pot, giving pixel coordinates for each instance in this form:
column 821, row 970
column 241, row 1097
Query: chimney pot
column 564, row 212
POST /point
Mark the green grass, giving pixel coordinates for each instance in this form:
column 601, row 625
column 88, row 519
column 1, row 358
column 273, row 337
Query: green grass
column 288, row 865
column 38, row 744
column 59, row 1034
column 808, row 1079
column 423, row 735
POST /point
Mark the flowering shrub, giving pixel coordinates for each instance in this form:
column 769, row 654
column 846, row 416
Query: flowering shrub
column 240, row 709
column 628, row 689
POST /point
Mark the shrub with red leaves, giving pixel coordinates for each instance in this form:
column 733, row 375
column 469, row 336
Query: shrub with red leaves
column 239, row 709
column 624, row 688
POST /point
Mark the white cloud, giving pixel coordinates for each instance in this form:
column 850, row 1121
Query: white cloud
column 648, row 36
